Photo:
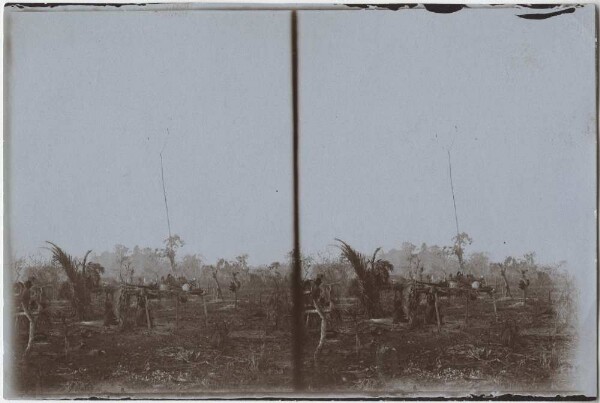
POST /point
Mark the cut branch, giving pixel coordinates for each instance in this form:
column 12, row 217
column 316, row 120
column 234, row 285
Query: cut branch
column 323, row 317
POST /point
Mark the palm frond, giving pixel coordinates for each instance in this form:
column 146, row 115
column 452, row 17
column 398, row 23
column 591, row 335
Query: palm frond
column 375, row 255
column 85, row 258
column 356, row 259
column 65, row 260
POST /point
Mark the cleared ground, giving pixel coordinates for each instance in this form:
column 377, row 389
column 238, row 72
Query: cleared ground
column 365, row 357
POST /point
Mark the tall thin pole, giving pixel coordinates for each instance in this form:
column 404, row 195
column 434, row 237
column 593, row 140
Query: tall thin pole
column 162, row 175
column 453, row 198
column 297, row 328
column 170, row 251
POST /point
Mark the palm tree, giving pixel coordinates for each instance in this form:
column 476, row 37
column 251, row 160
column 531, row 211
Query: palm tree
column 83, row 275
column 371, row 276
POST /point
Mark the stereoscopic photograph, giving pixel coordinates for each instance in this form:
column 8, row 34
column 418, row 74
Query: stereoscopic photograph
column 241, row 200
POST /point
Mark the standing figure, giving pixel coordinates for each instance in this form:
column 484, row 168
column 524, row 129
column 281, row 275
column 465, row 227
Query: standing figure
column 109, row 311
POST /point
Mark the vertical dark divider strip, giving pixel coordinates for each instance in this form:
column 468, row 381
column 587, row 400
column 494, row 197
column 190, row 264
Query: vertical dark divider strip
column 597, row 55
column 297, row 330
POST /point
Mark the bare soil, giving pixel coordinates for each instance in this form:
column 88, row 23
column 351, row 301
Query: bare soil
column 361, row 356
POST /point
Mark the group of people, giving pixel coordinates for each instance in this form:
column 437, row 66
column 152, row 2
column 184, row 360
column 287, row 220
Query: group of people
column 171, row 281
column 462, row 280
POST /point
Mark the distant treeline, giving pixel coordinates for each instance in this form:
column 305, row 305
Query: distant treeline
column 143, row 265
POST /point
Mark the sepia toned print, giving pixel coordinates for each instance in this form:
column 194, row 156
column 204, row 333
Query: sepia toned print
column 326, row 201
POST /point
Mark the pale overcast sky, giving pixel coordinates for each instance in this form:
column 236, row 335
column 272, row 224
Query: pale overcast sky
column 384, row 94
column 91, row 96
